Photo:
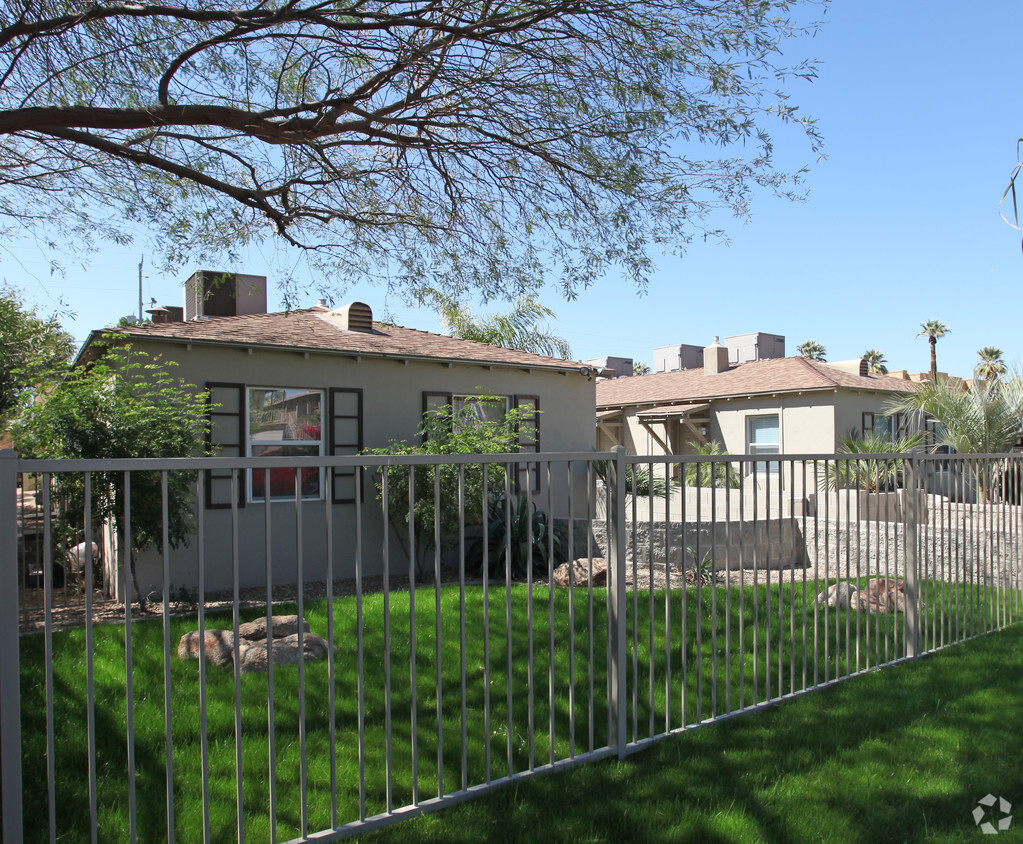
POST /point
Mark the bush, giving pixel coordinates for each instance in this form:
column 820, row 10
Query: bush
column 518, row 524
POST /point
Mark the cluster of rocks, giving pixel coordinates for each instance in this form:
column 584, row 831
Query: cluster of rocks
column 880, row 595
column 253, row 651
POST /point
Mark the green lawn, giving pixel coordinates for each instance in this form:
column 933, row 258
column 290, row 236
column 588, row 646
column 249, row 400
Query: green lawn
column 901, row 754
column 705, row 670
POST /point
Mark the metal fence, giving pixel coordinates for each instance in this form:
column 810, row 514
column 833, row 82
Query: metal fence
column 446, row 669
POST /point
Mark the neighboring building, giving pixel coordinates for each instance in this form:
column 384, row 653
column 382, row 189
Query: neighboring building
column 331, row 382
column 773, row 406
column 742, row 348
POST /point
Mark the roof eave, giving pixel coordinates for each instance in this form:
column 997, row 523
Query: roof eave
column 271, row 347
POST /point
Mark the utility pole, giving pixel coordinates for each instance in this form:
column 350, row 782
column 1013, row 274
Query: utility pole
column 141, row 262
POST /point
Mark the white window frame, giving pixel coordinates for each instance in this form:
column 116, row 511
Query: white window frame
column 250, row 442
column 763, row 467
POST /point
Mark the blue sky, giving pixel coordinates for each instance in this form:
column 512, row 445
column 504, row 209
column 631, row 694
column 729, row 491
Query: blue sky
column 919, row 107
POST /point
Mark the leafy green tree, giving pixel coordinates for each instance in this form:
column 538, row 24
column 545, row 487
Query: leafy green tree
column 989, row 365
column 517, row 329
column 876, row 362
column 31, row 346
column 483, row 147
column 445, row 431
column 126, row 404
column 812, row 349
column 934, row 330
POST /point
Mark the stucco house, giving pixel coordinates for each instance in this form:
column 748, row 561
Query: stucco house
column 322, row 381
column 787, row 405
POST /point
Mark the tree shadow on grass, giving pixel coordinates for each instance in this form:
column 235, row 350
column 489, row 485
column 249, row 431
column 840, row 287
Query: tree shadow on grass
column 901, row 754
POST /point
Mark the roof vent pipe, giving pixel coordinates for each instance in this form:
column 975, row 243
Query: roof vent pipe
column 715, row 358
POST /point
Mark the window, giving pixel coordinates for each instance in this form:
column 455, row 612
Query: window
column 764, row 437
column 285, row 423
column 488, row 409
column 888, row 427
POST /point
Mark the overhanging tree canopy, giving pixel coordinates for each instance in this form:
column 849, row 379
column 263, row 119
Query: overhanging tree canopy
column 457, row 145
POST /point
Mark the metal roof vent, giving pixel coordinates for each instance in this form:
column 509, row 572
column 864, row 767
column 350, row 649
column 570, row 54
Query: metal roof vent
column 357, row 316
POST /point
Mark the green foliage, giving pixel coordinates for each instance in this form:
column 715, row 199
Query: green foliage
column 989, row 364
column 640, row 368
column 986, row 418
column 699, row 569
column 711, row 475
column 812, row 349
column 515, row 330
column 443, row 431
column 471, row 147
column 875, row 362
column 125, row 405
column 872, row 475
column 31, row 347
column 515, row 523
column 638, row 479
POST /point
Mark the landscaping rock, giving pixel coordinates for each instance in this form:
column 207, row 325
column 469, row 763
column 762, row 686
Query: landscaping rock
column 838, row 595
column 219, row 646
column 578, row 572
column 283, row 625
column 254, row 657
column 252, row 646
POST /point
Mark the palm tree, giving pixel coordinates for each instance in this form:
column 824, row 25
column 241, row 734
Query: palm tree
column 515, row 330
column 876, row 361
column 934, row 329
column 987, row 418
column 990, row 364
column 812, row 349
column 640, row 368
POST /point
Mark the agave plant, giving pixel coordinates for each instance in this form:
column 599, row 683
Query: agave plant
column 870, row 474
column 517, row 525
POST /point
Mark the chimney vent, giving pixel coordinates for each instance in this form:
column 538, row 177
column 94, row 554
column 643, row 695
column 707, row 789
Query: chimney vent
column 715, row 358
column 158, row 315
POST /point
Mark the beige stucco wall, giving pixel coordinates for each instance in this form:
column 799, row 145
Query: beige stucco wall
column 392, row 408
column 810, row 423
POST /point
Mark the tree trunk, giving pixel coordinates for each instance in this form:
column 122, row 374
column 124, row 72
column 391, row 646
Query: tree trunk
column 934, row 358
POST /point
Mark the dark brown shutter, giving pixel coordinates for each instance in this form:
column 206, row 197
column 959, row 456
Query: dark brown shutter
column 345, row 436
column 435, row 401
column 528, row 435
column 226, row 438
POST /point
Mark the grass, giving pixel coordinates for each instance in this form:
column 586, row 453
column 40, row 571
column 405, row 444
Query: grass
column 709, row 672
column 901, row 754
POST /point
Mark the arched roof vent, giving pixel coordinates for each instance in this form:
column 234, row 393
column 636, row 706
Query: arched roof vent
column 357, row 316
column 864, row 368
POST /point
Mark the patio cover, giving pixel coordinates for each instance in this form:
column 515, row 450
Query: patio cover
column 672, row 410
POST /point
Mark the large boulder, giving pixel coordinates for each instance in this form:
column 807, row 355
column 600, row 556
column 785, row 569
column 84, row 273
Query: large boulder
column 282, row 625
column 219, row 646
column 256, row 657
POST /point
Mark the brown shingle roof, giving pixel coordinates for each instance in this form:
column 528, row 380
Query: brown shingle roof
column 776, row 375
column 306, row 331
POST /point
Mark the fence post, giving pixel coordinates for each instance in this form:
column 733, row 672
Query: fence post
column 10, row 685
column 616, row 540
column 912, row 562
